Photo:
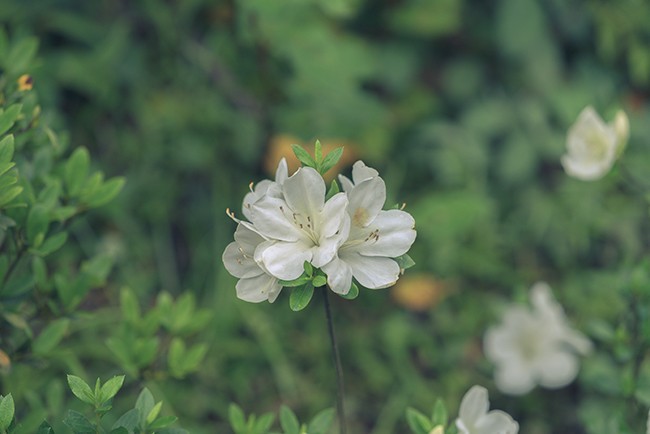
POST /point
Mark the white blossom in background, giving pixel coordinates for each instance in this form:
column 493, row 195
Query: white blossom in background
column 255, row 283
column 299, row 226
column 593, row 146
column 375, row 236
column 537, row 346
column 474, row 417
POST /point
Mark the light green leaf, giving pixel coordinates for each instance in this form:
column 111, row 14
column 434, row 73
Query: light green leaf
column 50, row 337
column 106, row 192
column 353, row 293
column 76, row 171
column 439, row 416
column 334, row 188
column 7, row 149
column 7, row 410
column 318, row 153
column 418, row 422
column 9, row 195
column 128, row 420
column 319, row 281
column 289, row 421
column 300, row 297
column 153, row 414
column 303, row 156
column 162, row 422
column 110, row 388
column 404, row 261
column 321, row 422
column 37, row 223
column 9, row 116
column 297, row 282
column 20, row 55
column 51, row 244
column 81, row 389
column 130, row 307
column 237, row 418
column 331, row 159
column 264, row 423
column 145, row 403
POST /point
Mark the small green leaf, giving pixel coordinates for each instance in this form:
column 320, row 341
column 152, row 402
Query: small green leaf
column 303, row 156
column 37, row 223
column 331, row 159
column 76, row 171
column 264, row 423
column 319, row 281
column 7, row 149
column 51, row 244
column 309, row 269
column 145, row 403
column 418, row 422
column 318, row 154
column 300, row 297
column 297, row 282
column 81, row 389
column 50, row 337
column 110, row 388
column 7, row 410
column 128, row 420
column 153, row 414
column 130, row 306
column 9, row 195
column 236, row 417
column 162, row 422
column 289, row 421
column 321, row 422
column 334, row 188
column 78, row 422
column 404, row 261
column 45, row 428
column 353, row 293
column 106, row 192
column 8, row 117
column 439, row 416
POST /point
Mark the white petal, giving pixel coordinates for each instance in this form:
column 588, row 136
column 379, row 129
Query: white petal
column 239, row 265
column 366, row 200
column 372, row 272
column 395, row 235
column 557, row 369
column 269, row 216
column 325, row 251
column 497, row 422
column 474, row 404
column 282, row 172
column 258, row 192
column 346, row 184
column 332, row 216
column 258, row 289
column 284, row 260
column 304, row 191
column 514, row 377
column 585, row 170
column 361, row 172
column 247, row 239
column 339, row 276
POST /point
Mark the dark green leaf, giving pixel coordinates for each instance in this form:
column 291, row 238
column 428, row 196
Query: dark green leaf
column 81, row 389
column 334, row 188
column 289, row 421
column 45, row 428
column 50, row 337
column 106, row 192
column 51, row 244
column 128, row 420
column 145, row 404
column 37, row 223
column 300, row 297
column 78, row 422
column 76, row 171
column 20, row 55
column 331, row 159
column 303, row 156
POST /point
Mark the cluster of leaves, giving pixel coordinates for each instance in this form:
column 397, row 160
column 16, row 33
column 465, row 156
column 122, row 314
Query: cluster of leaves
column 319, row 424
column 144, row 418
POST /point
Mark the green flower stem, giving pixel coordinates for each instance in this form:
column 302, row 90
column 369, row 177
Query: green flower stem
column 337, row 362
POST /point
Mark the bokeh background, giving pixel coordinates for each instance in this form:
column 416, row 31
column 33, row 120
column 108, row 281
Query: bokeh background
column 463, row 107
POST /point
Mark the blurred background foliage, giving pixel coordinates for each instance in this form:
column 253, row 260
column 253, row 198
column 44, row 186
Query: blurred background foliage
column 462, row 105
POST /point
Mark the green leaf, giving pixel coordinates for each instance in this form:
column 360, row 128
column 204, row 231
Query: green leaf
column 319, row 281
column 418, row 422
column 7, row 149
column 236, row 417
column 110, row 388
column 128, row 420
column 20, row 55
column 50, row 337
column 7, row 410
column 331, row 159
column 334, row 188
column 81, row 389
column 78, row 422
column 145, row 404
column 297, row 282
column 51, row 244
column 9, row 194
column 309, row 269
column 45, row 428
column 76, row 171
column 353, row 293
column 289, row 421
column 321, row 422
column 405, row 262
column 264, row 423
column 318, row 153
column 38, row 221
column 9, row 116
column 303, row 156
column 130, row 306
column 153, row 414
column 162, row 422
column 106, row 192
column 300, row 297
column 439, row 416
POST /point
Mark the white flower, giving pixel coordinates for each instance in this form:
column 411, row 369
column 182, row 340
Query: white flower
column 266, row 188
column 299, row 225
column 375, row 236
column 255, row 284
column 535, row 347
column 474, row 418
column 593, row 145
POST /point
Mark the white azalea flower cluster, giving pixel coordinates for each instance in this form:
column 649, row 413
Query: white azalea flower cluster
column 294, row 226
column 593, row 146
column 535, row 346
column 474, row 418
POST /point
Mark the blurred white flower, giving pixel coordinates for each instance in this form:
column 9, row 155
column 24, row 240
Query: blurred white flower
column 255, row 284
column 474, row 418
column 375, row 236
column 535, row 346
column 593, row 145
column 299, row 225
